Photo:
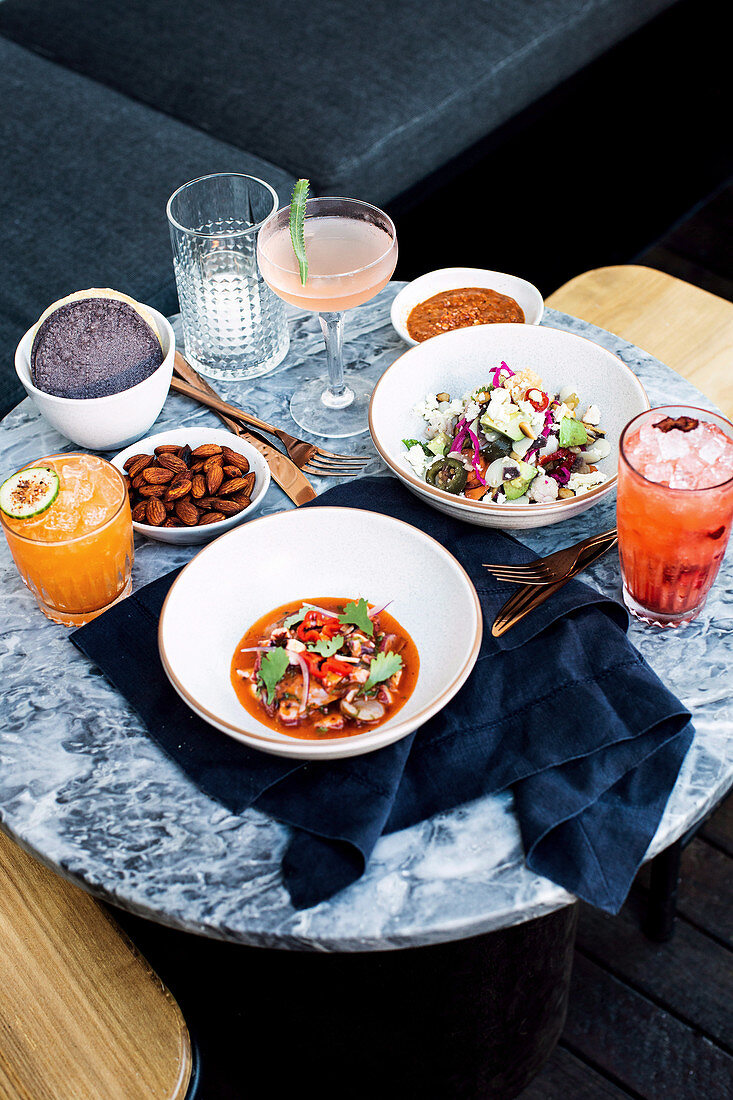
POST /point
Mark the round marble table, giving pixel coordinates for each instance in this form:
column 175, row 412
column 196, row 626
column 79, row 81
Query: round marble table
column 85, row 789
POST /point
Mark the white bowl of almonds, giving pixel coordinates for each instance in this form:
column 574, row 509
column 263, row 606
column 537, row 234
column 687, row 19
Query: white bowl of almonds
column 189, row 485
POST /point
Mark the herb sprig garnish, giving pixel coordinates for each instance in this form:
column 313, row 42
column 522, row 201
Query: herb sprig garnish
column 381, row 668
column 272, row 669
column 357, row 614
column 297, row 226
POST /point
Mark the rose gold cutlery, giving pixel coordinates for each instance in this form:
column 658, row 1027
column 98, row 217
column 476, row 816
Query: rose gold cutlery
column 551, row 568
column 308, row 457
column 530, row 596
column 291, row 480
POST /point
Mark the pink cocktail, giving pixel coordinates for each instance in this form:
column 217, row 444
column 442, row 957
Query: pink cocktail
column 674, row 511
column 352, row 252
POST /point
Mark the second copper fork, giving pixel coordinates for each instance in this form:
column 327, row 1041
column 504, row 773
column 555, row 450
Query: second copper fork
column 307, row 456
column 552, row 568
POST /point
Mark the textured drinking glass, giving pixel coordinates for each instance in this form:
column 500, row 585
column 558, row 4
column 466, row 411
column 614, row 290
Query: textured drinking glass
column 76, row 557
column 234, row 327
column 673, row 539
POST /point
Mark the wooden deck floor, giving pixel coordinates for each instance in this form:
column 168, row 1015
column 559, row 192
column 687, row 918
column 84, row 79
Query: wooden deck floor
column 654, row 1021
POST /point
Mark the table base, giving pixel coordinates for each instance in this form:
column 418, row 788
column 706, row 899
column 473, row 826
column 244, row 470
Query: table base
column 464, row 1020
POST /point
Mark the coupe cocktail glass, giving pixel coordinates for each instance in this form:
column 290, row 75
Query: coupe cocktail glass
column 76, row 557
column 352, row 251
column 674, row 511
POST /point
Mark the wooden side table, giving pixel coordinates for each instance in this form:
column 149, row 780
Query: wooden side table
column 687, row 328
column 81, row 1012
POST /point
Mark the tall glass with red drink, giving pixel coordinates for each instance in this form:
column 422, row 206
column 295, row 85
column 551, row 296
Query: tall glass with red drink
column 674, row 511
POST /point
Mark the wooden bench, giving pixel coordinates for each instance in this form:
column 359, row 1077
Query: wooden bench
column 82, row 1014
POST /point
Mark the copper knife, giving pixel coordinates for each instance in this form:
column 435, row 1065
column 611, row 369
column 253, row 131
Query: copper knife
column 530, row 596
column 291, row 480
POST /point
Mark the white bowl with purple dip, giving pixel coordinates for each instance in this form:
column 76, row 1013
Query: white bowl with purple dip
column 86, row 346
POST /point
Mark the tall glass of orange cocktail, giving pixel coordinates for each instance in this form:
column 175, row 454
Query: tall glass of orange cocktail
column 76, row 552
column 674, row 510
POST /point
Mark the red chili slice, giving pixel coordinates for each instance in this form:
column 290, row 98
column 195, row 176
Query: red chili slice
column 314, row 664
column 539, row 402
column 338, row 668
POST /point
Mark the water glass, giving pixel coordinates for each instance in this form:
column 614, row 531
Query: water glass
column 234, row 327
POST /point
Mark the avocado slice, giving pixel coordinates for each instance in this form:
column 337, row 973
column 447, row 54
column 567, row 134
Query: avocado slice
column 511, row 427
column 439, row 444
column 518, row 486
column 572, row 433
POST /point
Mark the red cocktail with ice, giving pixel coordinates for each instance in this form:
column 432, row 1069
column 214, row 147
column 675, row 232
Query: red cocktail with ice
column 675, row 508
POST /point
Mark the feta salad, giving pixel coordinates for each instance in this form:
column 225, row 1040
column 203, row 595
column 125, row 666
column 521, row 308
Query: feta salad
column 510, row 442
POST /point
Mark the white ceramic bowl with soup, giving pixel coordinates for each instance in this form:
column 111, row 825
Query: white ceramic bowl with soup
column 301, row 555
column 527, row 296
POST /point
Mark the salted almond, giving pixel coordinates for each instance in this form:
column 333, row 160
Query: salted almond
column 173, row 521
column 156, row 475
column 232, row 471
column 214, row 460
column 214, row 479
column 167, row 449
column 173, row 462
column 229, row 507
column 155, row 513
column 195, row 467
column 139, row 511
column 152, row 490
column 137, row 464
column 187, row 512
column 233, row 458
column 234, row 485
column 211, row 517
column 240, row 498
column 198, row 486
column 179, row 490
column 249, row 484
column 206, row 450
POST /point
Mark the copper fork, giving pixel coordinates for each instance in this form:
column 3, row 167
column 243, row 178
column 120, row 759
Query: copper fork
column 306, row 456
column 528, row 597
column 551, row 568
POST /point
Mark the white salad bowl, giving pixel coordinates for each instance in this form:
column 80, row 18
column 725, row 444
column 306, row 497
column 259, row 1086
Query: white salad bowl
column 299, row 556
column 457, row 278
column 457, row 362
column 196, row 437
column 103, row 423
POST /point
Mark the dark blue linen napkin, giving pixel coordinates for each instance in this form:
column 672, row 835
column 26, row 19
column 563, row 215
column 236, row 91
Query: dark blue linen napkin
column 562, row 709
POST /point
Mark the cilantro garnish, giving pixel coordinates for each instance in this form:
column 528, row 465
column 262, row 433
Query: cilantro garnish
column 357, row 614
column 296, row 617
column 327, row 646
column 272, row 670
column 409, row 443
column 297, row 226
column 381, row 668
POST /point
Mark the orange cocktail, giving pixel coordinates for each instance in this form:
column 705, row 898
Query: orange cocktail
column 674, row 511
column 76, row 555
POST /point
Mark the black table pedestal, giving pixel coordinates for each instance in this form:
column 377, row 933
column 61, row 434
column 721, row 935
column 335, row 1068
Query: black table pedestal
column 471, row 1019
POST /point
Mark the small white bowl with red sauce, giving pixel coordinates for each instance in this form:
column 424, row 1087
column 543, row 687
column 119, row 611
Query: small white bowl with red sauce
column 509, row 291
column 317, row 553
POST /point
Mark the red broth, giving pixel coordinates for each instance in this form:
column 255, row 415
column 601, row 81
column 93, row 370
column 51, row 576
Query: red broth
column 306, row 729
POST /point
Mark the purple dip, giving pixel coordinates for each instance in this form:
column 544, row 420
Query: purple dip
column 93, row 347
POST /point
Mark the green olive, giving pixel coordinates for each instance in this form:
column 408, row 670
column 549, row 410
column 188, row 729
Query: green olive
column 448, row 474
